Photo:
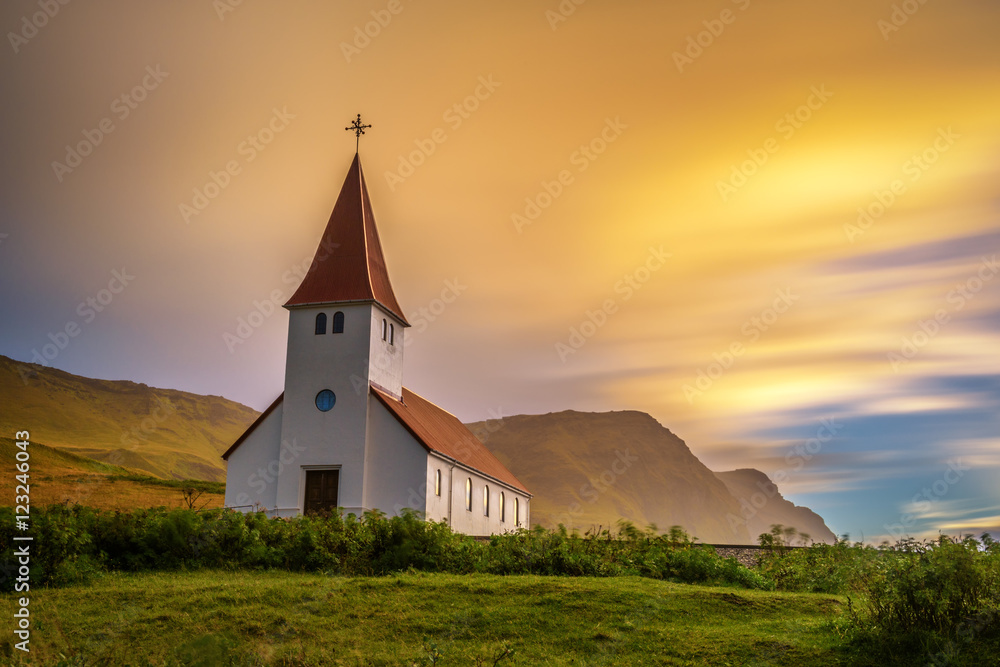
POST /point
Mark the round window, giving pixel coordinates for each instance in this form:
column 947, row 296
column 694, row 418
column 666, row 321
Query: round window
column 325, row 400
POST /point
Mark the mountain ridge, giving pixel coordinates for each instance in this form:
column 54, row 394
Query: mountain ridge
column 586, row 469
column 635, row 469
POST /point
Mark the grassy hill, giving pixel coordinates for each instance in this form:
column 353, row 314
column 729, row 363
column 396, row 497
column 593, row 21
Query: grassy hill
column 58, row 476
column 164, row 432
column 233, row 618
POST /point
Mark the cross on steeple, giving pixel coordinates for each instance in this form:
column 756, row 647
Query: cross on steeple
column 358, row 129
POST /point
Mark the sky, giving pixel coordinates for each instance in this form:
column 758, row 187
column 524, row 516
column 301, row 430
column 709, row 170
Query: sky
column 771, row 225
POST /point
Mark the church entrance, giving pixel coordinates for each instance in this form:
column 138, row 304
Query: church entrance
column 321, row 490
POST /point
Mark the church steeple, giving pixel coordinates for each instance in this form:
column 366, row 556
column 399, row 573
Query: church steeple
column 349, row 265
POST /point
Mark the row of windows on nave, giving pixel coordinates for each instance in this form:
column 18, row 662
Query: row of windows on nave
column 486, row 499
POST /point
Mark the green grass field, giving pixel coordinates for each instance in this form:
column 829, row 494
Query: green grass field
column 277, row 618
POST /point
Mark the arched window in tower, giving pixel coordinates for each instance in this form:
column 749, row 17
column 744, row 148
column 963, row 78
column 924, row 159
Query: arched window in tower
column 338, row 322
column 517, row 515
column 468, row 494
column 486, row 501
column 502, row 508
column 321, row 324
column 385, row 329
column 392, row 334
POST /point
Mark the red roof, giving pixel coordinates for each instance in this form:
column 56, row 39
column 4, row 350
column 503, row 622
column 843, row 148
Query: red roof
column 349, row 265
column 441, row 432
column 436, row 429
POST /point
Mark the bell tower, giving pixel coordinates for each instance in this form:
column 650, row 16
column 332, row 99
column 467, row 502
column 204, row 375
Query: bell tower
column 345, row 334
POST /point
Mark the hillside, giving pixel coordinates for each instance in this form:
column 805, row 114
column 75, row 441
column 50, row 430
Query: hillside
column 753, row 486
column 590, row 469
column 585, row 469
column 163, row 432
column 60, row 477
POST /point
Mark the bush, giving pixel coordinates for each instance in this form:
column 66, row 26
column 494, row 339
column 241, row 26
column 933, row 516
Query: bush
column 820, row 568
column 72, row 544
column 928, row 587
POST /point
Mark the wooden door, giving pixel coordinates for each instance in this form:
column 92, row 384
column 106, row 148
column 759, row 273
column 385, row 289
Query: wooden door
column 321, row 490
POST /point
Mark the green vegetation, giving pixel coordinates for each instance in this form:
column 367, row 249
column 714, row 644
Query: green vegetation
column 939, row 599
column 74, row 543
column 228, row 618
column 167, row 586
column 179, row 484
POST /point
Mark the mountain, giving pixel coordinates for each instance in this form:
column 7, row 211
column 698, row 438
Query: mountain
column 163, row 432
column 585, row 469
column 763, row 505
column 590, row 469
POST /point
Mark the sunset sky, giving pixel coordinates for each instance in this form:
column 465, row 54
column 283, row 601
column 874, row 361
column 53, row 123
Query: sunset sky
column 774, row 226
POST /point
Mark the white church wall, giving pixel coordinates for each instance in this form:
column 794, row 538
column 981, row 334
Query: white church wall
column 437, row 503
column 252, row 469
column 316, row 362
column 386, row 356
column 395, row 464
column 476, row 521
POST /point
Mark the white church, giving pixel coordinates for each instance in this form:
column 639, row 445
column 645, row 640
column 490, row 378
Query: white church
column 345, row 433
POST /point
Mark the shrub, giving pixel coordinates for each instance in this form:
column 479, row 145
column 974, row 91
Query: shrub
column 74, row 543
column 932, row 587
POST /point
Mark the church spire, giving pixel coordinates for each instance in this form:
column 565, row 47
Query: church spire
column 349, row 265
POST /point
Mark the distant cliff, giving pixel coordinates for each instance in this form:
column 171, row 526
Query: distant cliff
column 592, row 469
column 762, row 506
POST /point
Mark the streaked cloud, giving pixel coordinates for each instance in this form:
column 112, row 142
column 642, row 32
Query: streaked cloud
column 917, row 110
